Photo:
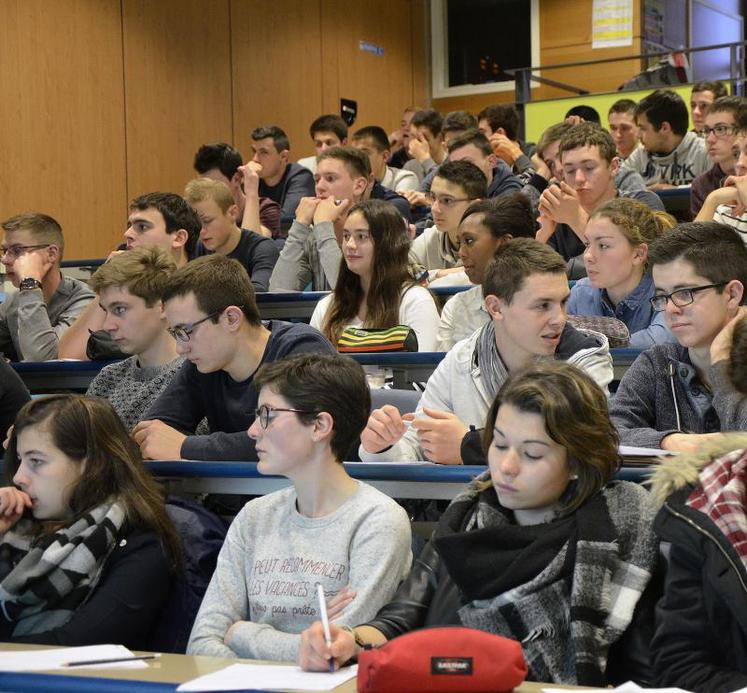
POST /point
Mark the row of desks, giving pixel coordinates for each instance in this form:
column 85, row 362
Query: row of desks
column 76, row 376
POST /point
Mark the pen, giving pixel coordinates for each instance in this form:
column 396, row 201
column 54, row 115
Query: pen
column 89, row 662
column 325, row 622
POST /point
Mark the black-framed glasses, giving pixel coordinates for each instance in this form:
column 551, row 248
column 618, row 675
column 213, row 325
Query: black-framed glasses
column 184, row 332
column 265, row 414
column 445, row 201
column 720, row 130
column 681, row 297
column 17, row 249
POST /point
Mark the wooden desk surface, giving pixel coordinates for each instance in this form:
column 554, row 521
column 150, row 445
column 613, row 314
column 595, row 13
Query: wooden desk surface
column 163, row 674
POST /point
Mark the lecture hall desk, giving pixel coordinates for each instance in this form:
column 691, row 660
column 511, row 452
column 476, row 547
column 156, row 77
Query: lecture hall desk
column 162, row 675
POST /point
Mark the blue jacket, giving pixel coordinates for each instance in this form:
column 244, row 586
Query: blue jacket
column 645, row 326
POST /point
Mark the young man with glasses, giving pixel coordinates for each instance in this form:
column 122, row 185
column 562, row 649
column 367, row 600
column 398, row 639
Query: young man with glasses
column 212, row 314
column 457, row 184
column 720, row 133
column 33, row 319
column 325, row 528
column 678, row 396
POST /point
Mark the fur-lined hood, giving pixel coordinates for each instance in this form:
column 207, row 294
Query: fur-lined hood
column 677, row 471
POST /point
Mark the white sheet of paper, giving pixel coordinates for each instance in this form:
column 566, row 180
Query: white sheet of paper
column 627, row 687
column 632, row 451
column 41, row 660
column 268, row 677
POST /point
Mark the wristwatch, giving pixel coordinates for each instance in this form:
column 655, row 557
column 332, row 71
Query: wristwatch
column 29, row 284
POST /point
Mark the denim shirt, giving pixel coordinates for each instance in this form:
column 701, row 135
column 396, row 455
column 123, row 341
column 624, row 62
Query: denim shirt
column 646, row 327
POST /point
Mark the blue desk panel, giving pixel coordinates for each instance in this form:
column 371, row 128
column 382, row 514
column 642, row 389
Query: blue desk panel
column 22, row 682
column 48, row 376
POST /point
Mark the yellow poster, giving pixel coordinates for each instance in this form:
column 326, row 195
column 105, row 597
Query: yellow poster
column 612, row 23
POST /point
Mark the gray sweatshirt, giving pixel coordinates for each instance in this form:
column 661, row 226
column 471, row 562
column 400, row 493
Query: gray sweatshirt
column 272, row 559
column 310, row 254
column 680, row 167
column 661, row 393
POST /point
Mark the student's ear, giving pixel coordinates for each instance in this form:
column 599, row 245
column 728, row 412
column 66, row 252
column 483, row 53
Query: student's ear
column 53, row 253
column 615, row 165
column 232, row 211
column 234, row 315
column 344, row 142
column 179, row 238
column 500, row 131
column 494, row 306
column 665, row 127
column 361, row 185
column 324, row 424
column 640, row 254
column 386, row 154
column 735, row 291
column 493, row 160
column 284, row 155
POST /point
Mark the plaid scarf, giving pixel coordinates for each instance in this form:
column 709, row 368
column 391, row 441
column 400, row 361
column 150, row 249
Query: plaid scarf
column 722, row 496
column 43, row 582
column 566, row 590
column 486, row 356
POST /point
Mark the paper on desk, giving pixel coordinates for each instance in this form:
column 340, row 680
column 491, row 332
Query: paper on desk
column 632, row 451
column 268, row 677
column 628, row 687
column 41, row 660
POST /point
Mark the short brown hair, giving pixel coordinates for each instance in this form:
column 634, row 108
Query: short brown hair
column 356, row 162
column 518, row 259
column 216, row 282
column 43, row 228
column 322, row 382
column 553, row 134
column 144, row 272
column 201, row 189
column 574, row 410
column 588, row 135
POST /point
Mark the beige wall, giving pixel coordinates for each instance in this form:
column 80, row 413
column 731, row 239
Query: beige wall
column 106, row 99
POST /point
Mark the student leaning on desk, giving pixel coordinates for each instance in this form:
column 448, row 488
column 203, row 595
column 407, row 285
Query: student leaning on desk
column 86, row 547
column 543, row 548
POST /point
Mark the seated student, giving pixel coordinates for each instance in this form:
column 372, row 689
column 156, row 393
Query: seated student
column 88, row 549
column 400, row 139
column 311, row 253
column 33, row 319
column 525, row 291
column 582, row 114
column 426, row 145
column 618, row 283
column 500, row 124
column 326, row 131
column 163, row 220
column 374, row 142
column 623, row 128
column 374, row 287
column 281, row 180
column 702, row 95
column 670, row 155
column 720, row 133
column 213, row 315
column 311, row 408
column 543, row 548
column 701, row 621
column 483, row 229
column 674, row 395
column 213, row 202
column 456, row 185
column 129, row 289
column 589, row 164
column 224, row 163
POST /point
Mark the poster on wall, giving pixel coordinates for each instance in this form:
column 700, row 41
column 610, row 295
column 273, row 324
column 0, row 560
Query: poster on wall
column 612, row 23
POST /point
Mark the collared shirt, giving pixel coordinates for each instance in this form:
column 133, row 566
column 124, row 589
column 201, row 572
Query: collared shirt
column 646, row 326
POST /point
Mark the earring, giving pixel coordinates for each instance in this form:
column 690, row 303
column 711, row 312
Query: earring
column 574, row 477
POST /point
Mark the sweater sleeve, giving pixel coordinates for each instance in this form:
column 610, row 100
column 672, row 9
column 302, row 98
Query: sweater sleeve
column 226, row 600
column 265, row 256
column 38, row 339
column 178, row 405
column 418, row 311
column 445, row 334
column 633, row 406
column 329, row 251
column 292, row 270
column 656, row 333
column 300, row 184
column 729, row 403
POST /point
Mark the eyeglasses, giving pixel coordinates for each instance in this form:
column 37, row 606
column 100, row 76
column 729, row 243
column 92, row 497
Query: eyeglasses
column 184, row 332
column 265, row 414
column 18, row 249
column 444, row 200
column 720, row 130
column 681, row 297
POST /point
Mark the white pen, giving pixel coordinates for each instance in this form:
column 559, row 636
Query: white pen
column 325, row 622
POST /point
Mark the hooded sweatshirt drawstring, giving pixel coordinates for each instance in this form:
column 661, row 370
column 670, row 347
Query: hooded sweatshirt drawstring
column 671, row 369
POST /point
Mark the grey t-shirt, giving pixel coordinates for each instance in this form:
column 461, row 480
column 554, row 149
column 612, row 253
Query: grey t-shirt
column 272, row 559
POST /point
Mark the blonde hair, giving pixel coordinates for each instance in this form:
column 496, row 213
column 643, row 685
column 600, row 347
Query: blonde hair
column 636, row 220
column 144, row 272
column 201, row 189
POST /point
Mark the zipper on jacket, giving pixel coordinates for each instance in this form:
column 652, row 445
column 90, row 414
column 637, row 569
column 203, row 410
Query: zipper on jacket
column 706, row 533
